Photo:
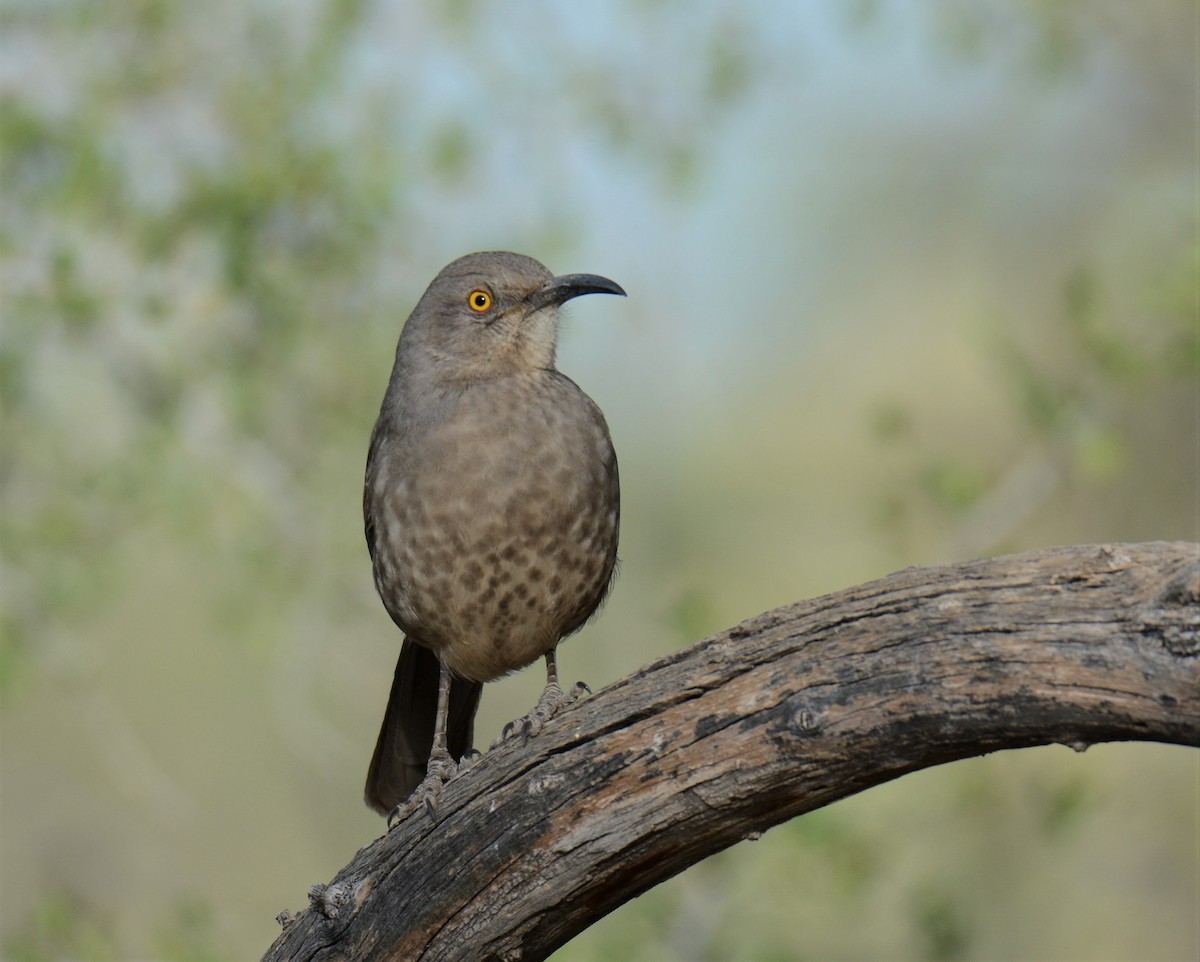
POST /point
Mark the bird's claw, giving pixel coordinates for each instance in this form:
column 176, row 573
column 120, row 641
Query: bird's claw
column 553, row 700
column 469, row 758
column 439, row 771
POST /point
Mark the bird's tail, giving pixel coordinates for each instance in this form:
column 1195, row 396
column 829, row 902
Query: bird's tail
column 406, row 736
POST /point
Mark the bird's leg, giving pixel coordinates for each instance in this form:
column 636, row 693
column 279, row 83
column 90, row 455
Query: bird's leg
column 441, row 764
column 553, row 700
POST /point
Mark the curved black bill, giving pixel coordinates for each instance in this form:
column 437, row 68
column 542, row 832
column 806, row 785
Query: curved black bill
column 560, row 289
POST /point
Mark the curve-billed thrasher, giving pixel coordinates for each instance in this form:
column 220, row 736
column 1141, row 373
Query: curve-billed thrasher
column 491, row 505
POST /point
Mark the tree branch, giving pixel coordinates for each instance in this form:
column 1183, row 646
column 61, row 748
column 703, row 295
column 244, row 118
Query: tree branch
column 777, row 716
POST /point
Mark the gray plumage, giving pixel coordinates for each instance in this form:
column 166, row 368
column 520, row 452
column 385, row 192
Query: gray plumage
column 491, row 503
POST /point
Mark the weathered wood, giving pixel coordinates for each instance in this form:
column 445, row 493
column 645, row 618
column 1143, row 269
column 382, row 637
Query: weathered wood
column 779, row 715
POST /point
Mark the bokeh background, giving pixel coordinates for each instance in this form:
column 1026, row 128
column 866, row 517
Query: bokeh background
column 909, row 282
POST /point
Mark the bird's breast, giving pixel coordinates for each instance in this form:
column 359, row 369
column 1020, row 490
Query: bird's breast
column 496, row 527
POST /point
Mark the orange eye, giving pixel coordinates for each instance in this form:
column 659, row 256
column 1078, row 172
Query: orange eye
column 479, row 301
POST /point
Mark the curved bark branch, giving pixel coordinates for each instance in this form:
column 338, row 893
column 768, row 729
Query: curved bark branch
column 779, row 715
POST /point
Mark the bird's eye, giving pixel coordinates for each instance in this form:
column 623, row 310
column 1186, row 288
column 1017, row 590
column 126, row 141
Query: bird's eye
column 479, row 301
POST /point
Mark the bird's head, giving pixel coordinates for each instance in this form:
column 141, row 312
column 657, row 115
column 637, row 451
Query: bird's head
column 491, row 314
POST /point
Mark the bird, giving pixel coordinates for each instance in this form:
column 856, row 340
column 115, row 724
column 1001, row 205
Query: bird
column 491, row 507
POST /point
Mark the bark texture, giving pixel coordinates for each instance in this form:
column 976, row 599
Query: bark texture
column 782, row 714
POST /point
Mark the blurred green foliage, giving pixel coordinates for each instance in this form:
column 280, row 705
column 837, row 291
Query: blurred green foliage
column 60, row 927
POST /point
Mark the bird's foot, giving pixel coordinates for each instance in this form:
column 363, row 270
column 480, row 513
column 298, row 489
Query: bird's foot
column 470, row 757
column 553, row 700
column 440, row 769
